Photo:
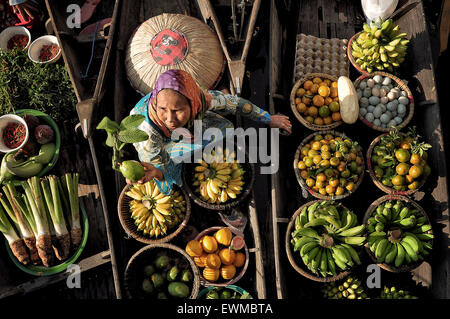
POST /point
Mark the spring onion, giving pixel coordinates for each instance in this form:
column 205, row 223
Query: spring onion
column 72, row 187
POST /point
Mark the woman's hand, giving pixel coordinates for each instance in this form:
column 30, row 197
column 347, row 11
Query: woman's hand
column 27, row 10
column 151, row 172
column 281, row 121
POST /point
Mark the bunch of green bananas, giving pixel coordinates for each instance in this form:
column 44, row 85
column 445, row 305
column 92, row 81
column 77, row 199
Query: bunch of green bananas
column 398, row 234
column 351, row 288
column 380, row 46
column 155, row 213
column 221, row 180
column 324, row 235
column 393, row 293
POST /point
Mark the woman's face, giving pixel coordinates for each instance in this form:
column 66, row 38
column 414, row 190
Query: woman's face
column 173, row 108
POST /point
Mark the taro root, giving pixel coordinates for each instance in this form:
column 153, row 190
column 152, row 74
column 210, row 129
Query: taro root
column 32, row 121
column 44, row 134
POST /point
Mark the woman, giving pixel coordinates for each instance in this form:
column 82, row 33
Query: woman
column 176, row 102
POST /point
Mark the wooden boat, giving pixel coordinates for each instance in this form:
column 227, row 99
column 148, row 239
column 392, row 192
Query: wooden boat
column 342, row 19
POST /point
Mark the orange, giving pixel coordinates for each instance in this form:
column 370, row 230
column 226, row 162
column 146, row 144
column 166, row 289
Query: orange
column 313, row 111
column 227, row 256
column 239, row 260
column 330, row 189
column 334, row 182
column 223, row 236
column 321, row 177
column 301, row 165
column 350, row 186
column 320, row 184
column 213, row 261
column 301, row 107
column 324, row 91
column 322, row 191
column 339, row 190
column 209, row 244
column 317, row 159
column 328, row 100
column 314, row 88
column 211, row 274
column 194, row 249
column 300, row 92
column 304, row 174
column 310, row 182
column 318, row 100
column 327, row 120
column 317, row 80
column 306, row 100
column 333, row 92
column 327, row 82
column 298, row 100
column 228, row 272
column 415, row 159
column 323, row 83
column 336, row 116
column 318, row 121
column 316, row 145
column 200, row 261
column 334, row 84
column 415, row 171
column 307, row 85
column 309, row 119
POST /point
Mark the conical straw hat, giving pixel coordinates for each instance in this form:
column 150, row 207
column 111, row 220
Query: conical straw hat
column 173, row 41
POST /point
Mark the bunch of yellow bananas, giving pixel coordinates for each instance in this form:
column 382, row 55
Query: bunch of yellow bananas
column 154, row 212
column 219, row 181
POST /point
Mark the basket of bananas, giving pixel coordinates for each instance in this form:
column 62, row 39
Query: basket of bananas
column 323, row 240
column 219, row 181
column 399, row 235
column 150, row 216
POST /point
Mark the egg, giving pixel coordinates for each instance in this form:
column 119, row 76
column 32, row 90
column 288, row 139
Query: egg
column 377, row 111
column 359, row 93
column 370, row 108
column 370, row 83
column 394, row 113
column 374, row 100
column 382, row 106
column 362, row 85
column 398, row 120
column 392, row 123
column 404, row 93
column 384, row 100
column 383, row 125
column 367, row 92
column 391, row 106
column 362, row 111
column 378, row 79
column 395, row 102
column 401, row 109
column 386, row 81
column 377, row 122
column 375, row 92
column 403, row 100
column 364, row 102
column 383, row 91
column 377, row 86
column 391, row 96
column 385, row 118
column 369, row 117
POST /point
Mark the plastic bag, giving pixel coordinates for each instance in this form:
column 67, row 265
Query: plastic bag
column 374, row 9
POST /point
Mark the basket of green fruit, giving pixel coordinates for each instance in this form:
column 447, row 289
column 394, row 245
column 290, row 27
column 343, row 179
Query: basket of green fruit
column 397, row 162
column 329, row 165
column 228, row 292
column 322, row 241
column 161, row 271
column 348, row 288
column 399, row 235
column 379, row 47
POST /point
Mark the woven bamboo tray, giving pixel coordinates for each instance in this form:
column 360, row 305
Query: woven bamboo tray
column 368, row 214
column 300, row 267
column 400, row 84
column 297, row 114
column 302, row 182
column 130, row 228
column 379, row 184
column 134, row 270
column 206, row 283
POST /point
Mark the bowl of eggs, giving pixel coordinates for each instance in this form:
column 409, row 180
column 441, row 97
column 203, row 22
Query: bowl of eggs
column 385, row 101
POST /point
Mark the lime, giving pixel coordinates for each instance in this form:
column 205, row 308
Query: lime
column 132, row 170
column 334, row 106
column 324, row 111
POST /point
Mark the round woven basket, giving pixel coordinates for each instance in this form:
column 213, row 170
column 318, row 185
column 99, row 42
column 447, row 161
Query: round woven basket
column 300, row 267
column 297, row 114
column 350, row 56
column 173, row 41
column 134, row 273
column 203, row 281
column 249, row 178
column 400, row 84
column 127, row 222
column 368, row 214
column 379, row 184
column 302, row 182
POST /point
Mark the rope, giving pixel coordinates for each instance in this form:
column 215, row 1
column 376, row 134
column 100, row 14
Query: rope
column 85, row 75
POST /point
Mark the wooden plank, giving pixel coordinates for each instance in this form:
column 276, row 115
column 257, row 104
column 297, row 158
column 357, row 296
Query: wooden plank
column 260, row 274
column 444, row 25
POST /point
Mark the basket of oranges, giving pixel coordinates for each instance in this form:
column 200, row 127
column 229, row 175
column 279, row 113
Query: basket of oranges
column 329, row 165
column 315, row 102
column 221, row 254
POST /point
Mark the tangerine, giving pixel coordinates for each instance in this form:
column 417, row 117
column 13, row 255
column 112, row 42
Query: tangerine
column 209, row 244
column 318, row 100
column 239, row 260
column 307, row 85
column 213, row 261
column 227, row 256
column 324, row 91
column 193, row 248
column 336, row 116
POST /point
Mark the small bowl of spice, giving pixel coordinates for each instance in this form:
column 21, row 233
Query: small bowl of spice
column 15, row 36
column 13, row 131
column 45, row 49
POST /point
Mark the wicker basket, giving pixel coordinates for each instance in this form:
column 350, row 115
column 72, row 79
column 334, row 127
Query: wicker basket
column 173, row 41
column 134, row 272
column 297, row 114
column 302, row 269
column 206, row 283
column 350, row 56
column 302, row 182
column 402, row 85
column 130, row 228
column 380, row 185
column 249, row 178
column 368, row 214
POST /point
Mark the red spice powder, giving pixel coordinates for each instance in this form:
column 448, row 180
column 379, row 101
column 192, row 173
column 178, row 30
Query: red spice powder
column 19, row 40
column 48, row 52
column 14, row 134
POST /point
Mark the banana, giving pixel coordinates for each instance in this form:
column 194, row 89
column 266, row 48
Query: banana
column 412, row 241
column 340, row 254
column 407, row 222
column 303, row 217
column 422, row 229
column 308, row 232
column 424, row 237
column 353, row 254
column 163, row 200
column 384, row 252
column 313, row 253
column 221, row 166
column 223, row 196
column 399, row 259
column 223, row 178
column 409, row 251
column 331, row 262
column 203, row 191
column 355, row 240
column 214, row 186
column 316, row 260
column 381, row 247
column 200, row 168
column 156, row 191
column 390, row 256
column 210, row 191
column 134, row 195
column 149, row 188
column 308, row 247
column 158, row 215
column 323, row 267
column 311, row 210
column 300, row 242
column 352, row 231
column 231, row 194
column 225, row 171
column 404, row 213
